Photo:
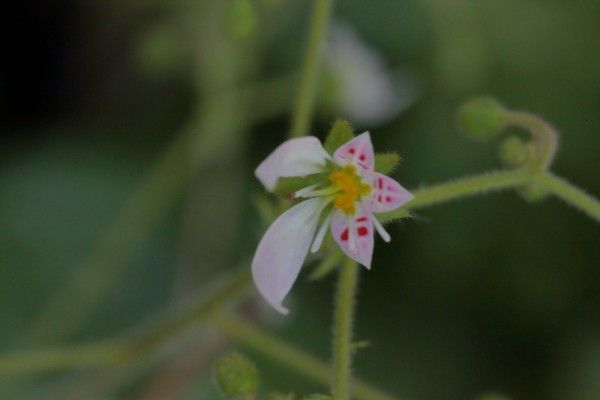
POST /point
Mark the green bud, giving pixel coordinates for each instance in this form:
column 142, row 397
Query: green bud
column 340, row 133
column 514, row 151
column 481, row 118
column 534, row 192
column 241, row 18
column 386, row 162
column 235, row 375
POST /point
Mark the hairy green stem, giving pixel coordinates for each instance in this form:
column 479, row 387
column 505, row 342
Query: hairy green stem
column 305, row 102
column 544, row 136
column 570, row 194
column 342, row 330
column 282, row 352
column 464, row 187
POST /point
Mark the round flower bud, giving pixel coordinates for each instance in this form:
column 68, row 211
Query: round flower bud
column 514, row 151
column 481, row 118
column 534, row 192
column 236, row 375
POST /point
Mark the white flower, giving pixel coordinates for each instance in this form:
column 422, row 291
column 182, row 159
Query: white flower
column 353, row 191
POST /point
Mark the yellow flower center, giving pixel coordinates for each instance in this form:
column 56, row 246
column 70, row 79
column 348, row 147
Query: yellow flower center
column 350, row 189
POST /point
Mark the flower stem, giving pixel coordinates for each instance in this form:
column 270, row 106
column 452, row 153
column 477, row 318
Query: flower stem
column 286, row 354
column 544, row 136
column 342, row 333
column 305, row 102
column 464, row 187
column 570, row 194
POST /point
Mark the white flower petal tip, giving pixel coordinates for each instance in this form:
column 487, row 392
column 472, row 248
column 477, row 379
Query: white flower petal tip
column 358, row 151
column 282, row 250
column 295, row 157
column 354, row 235
column 387, row 194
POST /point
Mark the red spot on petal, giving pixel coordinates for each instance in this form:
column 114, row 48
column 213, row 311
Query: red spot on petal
column 351, row 151
column 362, row 157
column 362, row 231
column 379, row 198
column 344, row 236
column 361, row 219
column 388, row 199
column 380, row 183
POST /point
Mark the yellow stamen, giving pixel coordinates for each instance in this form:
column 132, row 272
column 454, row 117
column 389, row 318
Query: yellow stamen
column 351, row 189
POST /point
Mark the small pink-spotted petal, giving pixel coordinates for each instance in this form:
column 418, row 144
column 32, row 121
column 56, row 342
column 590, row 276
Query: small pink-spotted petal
column 387, row 194
column 354, row 234
column 358, row 151
column 282, row 250
column 295, row 157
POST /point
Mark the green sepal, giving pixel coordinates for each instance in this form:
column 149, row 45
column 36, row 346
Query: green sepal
column 288, row 185
column 386, row 162
column 340, row 133
column 394, row 215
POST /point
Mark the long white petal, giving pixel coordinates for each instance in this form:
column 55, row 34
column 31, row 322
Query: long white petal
column 282, row 250
column 294, row 157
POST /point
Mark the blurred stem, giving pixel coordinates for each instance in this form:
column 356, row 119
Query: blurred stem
column 120, row 351
column 144, row 211
column 116, row 351
column 570, row 194
column 342, row 329
column 305, row 102
column 286, row 354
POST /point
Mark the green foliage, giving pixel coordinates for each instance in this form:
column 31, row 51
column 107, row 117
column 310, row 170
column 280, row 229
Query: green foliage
column 279, row 396
column 318, row 397
column 514, row 151
column 235, row 375
column 240, row 18
column 340, row 133
column 288, row 185
column 481, row 118
column 386, row 162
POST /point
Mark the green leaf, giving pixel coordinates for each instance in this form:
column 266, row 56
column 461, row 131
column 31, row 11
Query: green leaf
column 340, row 133
column 288, row 185
column 386, row 162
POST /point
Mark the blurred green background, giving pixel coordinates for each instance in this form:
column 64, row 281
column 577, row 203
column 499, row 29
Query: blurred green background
column 485, row 294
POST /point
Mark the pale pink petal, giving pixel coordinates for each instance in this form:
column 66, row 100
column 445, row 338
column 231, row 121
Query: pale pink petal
column 295, row 157
column 282, row 250
column 358, row 151
column 354, row 234
column 386, row 193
